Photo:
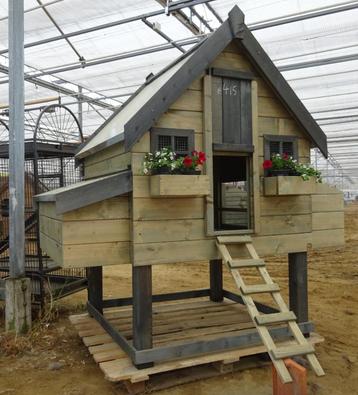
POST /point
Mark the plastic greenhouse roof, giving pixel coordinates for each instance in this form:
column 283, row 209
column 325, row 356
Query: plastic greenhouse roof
column 318, row 56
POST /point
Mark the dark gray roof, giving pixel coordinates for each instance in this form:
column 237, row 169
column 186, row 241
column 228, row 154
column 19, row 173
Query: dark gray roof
column 146, row 106
column 88, row 192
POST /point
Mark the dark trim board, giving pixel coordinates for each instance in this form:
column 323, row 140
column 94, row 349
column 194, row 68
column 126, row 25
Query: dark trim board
column 227, row 147
column 280, row 86
column 240, row 75
column 246, row 338
column 88, row 192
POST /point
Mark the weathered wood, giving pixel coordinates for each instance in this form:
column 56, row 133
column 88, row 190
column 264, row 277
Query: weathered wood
column 292, row 351
column 289, row 185
column 286, row 224
column 108, row 166
column 216, row 280
column 241, row 263
column 329, row 220
column 327, row 203
column 260, row 288
column 190, row 100
column 297, row 273
column 95, row 287
column 234, row 239
column 275, row 318
column 179, row 185
column 327, row 238
column 142, row 307
column 285, row 205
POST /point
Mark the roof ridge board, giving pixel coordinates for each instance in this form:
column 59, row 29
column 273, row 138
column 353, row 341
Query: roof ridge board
column 130, row 98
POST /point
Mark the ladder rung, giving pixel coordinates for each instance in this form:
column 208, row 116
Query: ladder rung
column 266, row 319
column 258, row 289
column 292, row 351
column 241, row 263
column 234, row 239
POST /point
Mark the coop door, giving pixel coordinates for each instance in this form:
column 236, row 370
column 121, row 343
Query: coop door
column 231, row 192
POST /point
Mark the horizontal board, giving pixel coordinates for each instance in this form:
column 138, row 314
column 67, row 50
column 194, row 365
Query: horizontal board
column 179, row 185
column 178, row 119
column 52, row 248
column 289, row 185
column 286, row 224
column 328, row 238
column 167, row 208
column 326, row 189
column 285, row 205
column 174, row 252
column 271, row 245
column 332, row 202
column 143, row 145
column 100, row 254
column 97, row 231
column 329, row 220
column 108, row 166
column 232, row 61
column 107, row 153
column 190, row 100
column 168, row 230
column 270, row 107
column 48, row 209
column 51, row 227
column 114, row 208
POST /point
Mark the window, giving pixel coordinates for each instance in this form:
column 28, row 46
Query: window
column 280, row 145
column 179, row 140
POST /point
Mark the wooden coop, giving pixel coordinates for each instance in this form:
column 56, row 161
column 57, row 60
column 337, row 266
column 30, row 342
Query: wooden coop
column 53, row 135
column 226, row 98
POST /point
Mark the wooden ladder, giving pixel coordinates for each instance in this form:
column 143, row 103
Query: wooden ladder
column 262, row 321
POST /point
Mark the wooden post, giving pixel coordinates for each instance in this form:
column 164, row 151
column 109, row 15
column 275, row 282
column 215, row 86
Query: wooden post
column 297, row 270
column 216, row 280
column 95, row 287
column 142, row 308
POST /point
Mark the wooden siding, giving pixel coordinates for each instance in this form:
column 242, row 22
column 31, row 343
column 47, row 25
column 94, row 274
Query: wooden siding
column 108, row 161
column 95, row 235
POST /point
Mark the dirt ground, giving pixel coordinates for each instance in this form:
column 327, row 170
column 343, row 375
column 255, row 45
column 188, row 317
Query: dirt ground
column 55, row 362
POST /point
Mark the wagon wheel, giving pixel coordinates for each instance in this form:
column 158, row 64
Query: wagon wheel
column 4, row 131
column 57, row 123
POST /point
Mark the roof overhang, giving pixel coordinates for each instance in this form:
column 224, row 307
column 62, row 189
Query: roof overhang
column 88, row 192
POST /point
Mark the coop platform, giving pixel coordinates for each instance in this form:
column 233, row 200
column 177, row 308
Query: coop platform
column 174, row 323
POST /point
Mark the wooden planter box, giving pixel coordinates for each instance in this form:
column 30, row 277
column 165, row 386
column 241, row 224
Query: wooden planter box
column 288, row 185
column 169, row 185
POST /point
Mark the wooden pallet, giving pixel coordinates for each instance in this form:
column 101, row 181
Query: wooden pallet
column 173, row 322
column 264, row 321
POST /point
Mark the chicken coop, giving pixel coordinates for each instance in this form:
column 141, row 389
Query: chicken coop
column 52, row 136
column 226, row 98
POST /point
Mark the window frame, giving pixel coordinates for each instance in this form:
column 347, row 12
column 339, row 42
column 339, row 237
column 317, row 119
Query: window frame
column 156, row 132
column 268, row 138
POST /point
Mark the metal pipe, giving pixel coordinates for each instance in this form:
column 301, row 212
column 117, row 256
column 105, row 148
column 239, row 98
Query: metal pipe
column 315, row 13
column 107, row 59
column 16, row 139
column 34, row 8
column 173, row 7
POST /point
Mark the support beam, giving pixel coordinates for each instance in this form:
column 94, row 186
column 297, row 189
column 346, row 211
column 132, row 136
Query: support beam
column 16, row 139
column 95, row 287
column 297, row 271
column 142, row 308
column 17, row 287
column 216, row 280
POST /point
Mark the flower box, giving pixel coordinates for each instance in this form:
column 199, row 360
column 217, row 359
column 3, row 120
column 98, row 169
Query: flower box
column 170, row 185
column 288, row 185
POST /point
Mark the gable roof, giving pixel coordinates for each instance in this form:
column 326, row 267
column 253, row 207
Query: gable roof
column 143, row 109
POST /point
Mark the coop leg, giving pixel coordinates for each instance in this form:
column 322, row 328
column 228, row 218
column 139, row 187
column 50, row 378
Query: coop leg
column 142, row 309
column 216, row 280
column 95, row 287
column 298, row 285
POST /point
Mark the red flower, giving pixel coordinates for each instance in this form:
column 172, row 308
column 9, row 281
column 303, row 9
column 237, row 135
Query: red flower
column 267, row 164
column 188, row 161
column 285, row 156
column 202, row 158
